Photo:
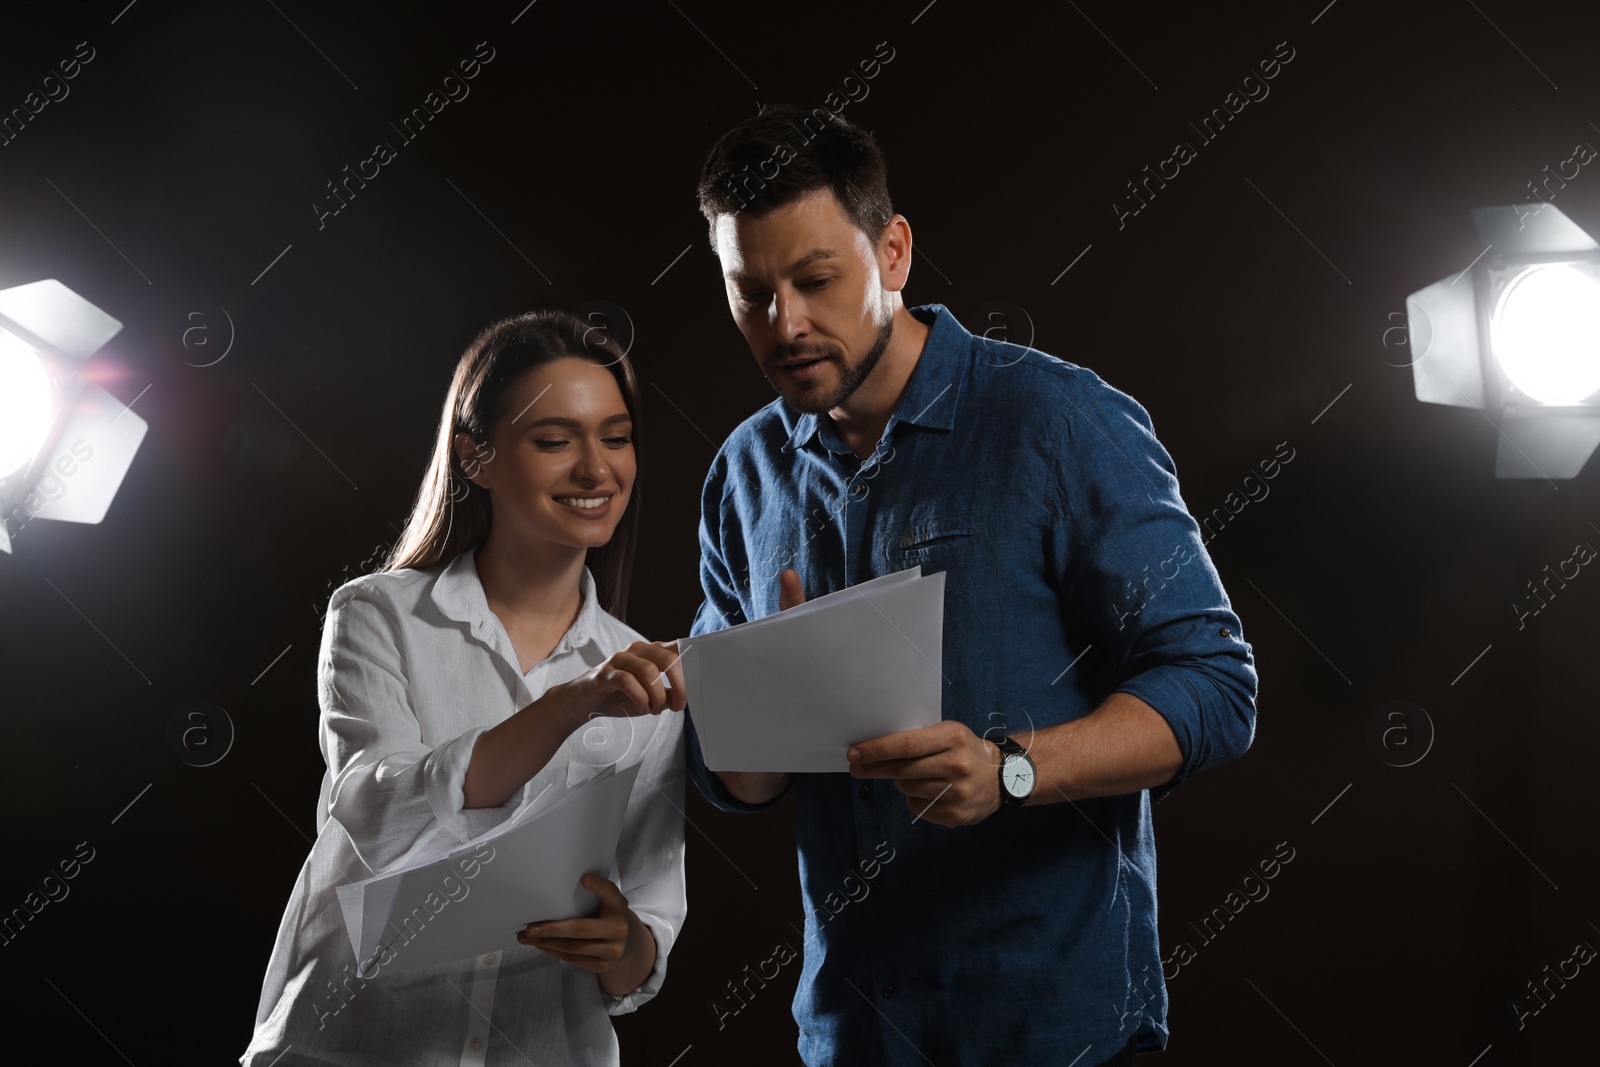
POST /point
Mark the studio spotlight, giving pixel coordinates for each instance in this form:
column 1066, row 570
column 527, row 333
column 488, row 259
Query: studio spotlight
column 1545, row 332
column 24, row 404
column 65, row 443
column 1517, row 335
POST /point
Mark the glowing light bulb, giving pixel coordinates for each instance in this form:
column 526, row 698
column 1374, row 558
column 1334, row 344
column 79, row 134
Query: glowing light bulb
column 1545, row 333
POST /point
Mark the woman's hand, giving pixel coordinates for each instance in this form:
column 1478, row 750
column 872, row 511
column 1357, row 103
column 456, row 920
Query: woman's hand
column 631, row 682
column 614, row 944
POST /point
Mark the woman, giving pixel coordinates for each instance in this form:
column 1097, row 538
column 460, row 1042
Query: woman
column 482, row 663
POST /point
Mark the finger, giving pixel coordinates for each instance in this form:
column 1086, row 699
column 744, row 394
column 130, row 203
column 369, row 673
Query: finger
column 907, row 744
column 597, row 948
column 567, row 929
column 600, row 938
column 680, row 688
column 665, row 656
column 657, row 652
column 611, row 898
column 790, row 594
column 649, row 675
column 918, row 767
column 634, row 699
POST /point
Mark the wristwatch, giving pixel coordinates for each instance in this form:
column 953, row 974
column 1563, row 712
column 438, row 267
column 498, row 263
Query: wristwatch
column 1017, row 773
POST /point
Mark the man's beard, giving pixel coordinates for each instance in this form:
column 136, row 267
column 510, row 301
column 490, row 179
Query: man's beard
column 850, row 377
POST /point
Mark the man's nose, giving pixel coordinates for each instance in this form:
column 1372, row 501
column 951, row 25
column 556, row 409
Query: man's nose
column 789, row 317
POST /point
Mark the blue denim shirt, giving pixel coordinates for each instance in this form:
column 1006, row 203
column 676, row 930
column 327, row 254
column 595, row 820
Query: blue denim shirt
column 1073, row 570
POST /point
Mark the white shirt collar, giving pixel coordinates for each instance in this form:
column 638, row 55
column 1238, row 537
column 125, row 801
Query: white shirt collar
column 458, row 592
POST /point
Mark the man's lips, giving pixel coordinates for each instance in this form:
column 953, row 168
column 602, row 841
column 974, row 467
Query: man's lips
column 801, row 368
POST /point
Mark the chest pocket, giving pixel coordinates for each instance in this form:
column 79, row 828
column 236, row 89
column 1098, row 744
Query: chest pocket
column 914, row 546
column 932, row 533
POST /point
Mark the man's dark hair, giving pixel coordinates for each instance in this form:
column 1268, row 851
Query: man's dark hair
column 784, row 152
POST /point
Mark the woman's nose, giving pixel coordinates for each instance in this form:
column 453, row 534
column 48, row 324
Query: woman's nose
column 591, row 465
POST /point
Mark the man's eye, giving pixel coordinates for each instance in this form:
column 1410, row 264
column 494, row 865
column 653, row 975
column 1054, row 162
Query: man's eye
column 754, row 299
column 816, row 283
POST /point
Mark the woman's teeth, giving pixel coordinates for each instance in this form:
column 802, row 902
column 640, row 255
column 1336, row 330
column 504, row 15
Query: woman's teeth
column 582, row 501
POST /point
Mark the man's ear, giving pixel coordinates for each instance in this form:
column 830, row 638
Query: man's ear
column 894, row 254
column 473, row 459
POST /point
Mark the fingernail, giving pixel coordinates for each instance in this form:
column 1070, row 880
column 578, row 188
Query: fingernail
column 853, row 755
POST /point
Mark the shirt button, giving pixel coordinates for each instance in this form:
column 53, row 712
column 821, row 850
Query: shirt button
column 477, row 1043
column 858, row 490
column 489, row 958
column 864, row 792
column 1226, row 632
column 888, row 990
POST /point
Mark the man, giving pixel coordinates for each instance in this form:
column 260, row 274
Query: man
column 981, row 891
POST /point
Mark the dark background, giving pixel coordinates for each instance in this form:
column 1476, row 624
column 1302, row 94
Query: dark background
column 1251, row 293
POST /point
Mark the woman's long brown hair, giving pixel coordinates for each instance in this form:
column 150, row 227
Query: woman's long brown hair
column 452, row 514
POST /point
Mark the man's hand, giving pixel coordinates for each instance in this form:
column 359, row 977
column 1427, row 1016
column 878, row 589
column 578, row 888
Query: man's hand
column 949, row 775
column 790, row 593
column 612, row 942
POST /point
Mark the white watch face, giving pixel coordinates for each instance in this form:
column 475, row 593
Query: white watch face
column 1016, row 774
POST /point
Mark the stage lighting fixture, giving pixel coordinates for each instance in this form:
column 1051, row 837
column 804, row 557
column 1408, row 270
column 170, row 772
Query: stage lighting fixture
column 24, row 404
column 65, row 443
column 1517, row 336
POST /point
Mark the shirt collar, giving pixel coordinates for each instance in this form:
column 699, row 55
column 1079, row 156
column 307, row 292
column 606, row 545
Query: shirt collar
column 935, row 386
column 458, row 593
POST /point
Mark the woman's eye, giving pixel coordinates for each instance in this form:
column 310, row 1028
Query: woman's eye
column 550, row 444
column 619, row 442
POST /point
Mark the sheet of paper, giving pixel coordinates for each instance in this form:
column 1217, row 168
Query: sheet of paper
column 871, row 587
column 794, row 690
column 436, row 912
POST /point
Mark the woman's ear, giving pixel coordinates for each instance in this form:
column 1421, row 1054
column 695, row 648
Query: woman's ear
column 472, row 459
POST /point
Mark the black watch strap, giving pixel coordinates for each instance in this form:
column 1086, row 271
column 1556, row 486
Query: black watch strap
column 1006, row 745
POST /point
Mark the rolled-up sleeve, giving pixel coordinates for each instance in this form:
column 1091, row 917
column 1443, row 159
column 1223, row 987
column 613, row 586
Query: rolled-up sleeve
column 1133, row 565
column 650, row 853
column 394, row 796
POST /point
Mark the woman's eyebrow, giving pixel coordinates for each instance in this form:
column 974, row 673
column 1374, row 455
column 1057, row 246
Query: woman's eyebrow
column 574, row 424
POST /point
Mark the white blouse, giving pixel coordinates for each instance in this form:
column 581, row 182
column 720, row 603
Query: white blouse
column 413, row 667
